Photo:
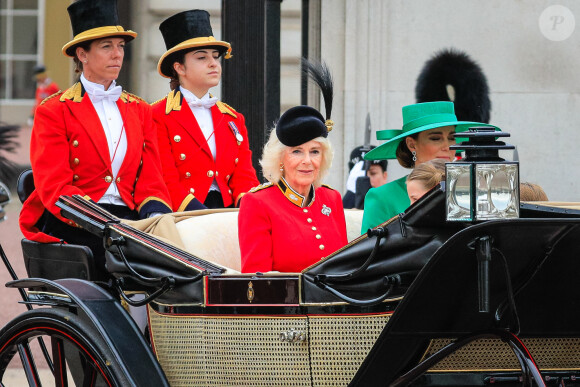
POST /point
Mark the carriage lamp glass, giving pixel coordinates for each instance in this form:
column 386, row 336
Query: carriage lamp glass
column 482, row 191
column 458, row 200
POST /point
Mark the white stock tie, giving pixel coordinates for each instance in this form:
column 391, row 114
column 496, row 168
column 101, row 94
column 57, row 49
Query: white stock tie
column 111, row 95
column 204, row 102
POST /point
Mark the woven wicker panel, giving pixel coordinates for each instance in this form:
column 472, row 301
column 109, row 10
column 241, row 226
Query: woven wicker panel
column 338, row 346
column 494, row 354
column 208, row 351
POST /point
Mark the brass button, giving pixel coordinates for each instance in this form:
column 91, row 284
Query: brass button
column 230, row 191
column 75, row 143
column 141, row 162
column 182, row 156
column 313, row 228
column 209, row 173
column 239, row 143
column 305, row 210
column 118, row 179
column 76, row 161
column 187, row 175
column 191, row 190
column 217, row 173
column 143, row 145
column 318, row 236
column 177, row 138
column 309, row 220
column 236, row 160
column 321, row 247
column 75, row 177
column 228, row 177
column 108, row 179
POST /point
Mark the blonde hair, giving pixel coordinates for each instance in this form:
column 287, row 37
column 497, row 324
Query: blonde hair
column 530, row 192
column 274, row 150
column 429, row 173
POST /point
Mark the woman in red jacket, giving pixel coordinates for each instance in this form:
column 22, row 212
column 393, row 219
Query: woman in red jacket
column 93, row 139
column 203, row 142
column 293, row 221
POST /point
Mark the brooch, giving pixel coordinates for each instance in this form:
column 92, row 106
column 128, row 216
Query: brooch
column 326, row 210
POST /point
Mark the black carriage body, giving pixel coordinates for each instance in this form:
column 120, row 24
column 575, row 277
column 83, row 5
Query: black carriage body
column 422, row 290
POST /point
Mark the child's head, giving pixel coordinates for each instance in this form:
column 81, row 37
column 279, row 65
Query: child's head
column 530, row 192
column 424, row 177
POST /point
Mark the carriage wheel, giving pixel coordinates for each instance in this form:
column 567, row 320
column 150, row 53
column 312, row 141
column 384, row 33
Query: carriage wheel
column 75, row 350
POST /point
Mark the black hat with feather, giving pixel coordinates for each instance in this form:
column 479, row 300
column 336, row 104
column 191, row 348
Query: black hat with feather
column 301, row 124
column 451, row 75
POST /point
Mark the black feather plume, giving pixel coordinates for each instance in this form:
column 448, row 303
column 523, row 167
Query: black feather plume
column 319, row 73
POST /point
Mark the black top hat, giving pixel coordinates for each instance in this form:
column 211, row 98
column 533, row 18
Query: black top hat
column 451, row 75
column 301, row 124
column 186, row 30
column 94, row 19
column 38, row 69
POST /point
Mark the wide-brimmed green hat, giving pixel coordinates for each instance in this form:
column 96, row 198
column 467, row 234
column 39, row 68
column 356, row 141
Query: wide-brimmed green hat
column 418, row 118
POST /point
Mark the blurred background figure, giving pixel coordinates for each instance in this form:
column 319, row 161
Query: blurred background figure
column 8, row 144
column 45, row 87
column 356, row 170
column 377, row 173
column 530, row 192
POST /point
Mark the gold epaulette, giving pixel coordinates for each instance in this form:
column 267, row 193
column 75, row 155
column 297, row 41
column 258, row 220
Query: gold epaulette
column 74, row 93
column 50, row 97
column 173, row 101
column 327, row 186
column 129, row 97
column 261, row 187
column 226, row 109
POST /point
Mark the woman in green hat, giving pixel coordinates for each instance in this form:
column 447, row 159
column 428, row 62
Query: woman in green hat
column 428, row 131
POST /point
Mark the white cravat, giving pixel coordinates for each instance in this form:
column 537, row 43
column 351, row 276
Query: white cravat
column 200, row 107
column 112, row 123
column 111, row 95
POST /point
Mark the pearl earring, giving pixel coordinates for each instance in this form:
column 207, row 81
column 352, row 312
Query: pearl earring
column 414, row 155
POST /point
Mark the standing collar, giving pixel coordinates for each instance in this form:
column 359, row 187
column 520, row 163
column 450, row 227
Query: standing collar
column 91, row 86
column 293, row 196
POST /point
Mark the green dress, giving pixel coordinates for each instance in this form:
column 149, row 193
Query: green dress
column 384, row 202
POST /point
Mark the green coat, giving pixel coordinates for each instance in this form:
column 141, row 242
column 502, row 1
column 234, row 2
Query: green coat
column 384, row 202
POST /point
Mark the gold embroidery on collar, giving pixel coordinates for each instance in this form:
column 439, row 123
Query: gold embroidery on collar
column 74, row 93
column 226, row 109
column 292, row 195
column 173, row 101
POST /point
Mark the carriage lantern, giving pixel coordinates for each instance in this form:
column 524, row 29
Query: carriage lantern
column 482, row 186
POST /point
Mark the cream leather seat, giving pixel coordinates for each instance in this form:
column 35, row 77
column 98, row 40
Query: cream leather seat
column 214, row 237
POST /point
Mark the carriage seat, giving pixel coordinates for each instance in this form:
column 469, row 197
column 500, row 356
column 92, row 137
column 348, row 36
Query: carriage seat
column 214, row 237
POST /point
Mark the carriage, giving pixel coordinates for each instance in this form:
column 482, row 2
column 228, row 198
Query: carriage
column 467, row 287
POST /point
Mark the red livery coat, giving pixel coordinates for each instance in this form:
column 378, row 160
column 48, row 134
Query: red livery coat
column 188, row 165
column 69, row 155
column 276, row 233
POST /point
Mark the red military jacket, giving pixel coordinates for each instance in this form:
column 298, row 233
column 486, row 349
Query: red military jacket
column 188, row 165
column 69, row 155
column 277, row 234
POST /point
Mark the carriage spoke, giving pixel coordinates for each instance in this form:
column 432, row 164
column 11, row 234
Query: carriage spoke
column 60, row 378
column 29, row 365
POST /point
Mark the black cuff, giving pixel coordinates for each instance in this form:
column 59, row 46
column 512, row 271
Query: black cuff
column 153, row 206
column 195, row 205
